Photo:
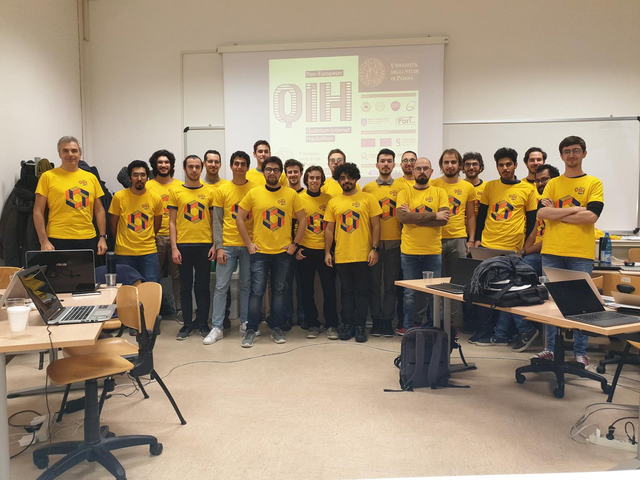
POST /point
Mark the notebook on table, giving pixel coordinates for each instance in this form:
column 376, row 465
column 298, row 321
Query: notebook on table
column 68, row 271
column 576, row 301
column 48, row 304
column 460, row 277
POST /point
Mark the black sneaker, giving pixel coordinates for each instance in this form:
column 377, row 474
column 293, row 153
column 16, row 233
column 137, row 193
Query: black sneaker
column 204, row 331
column 361, row 334
column 286, row 325
column 525, row 340
column 347, row 332
column 184, row 333
column 302, row 322
column 387, row 330
column 475, row 337
column 376, row 329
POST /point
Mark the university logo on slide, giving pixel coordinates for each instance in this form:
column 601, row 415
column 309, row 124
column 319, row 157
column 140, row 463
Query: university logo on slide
column 422, row 208
column 388, row 208
column 350, row 221
column 234, row 212
column 193, row 212
column 568, row 201
column 77, row 198
column 273, row 218
column 502, row 211
column 138, row 221
column 454, row 205
column 315, row 223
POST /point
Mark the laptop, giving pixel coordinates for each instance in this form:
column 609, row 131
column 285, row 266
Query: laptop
column 560, row 275
column 577, row 302
column 48, row 304
column 482, row 253
column 68, row 271
column 13, row 290
column 626, row 302
column 461, row 276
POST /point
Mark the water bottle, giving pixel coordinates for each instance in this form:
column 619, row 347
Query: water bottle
column 607, row 248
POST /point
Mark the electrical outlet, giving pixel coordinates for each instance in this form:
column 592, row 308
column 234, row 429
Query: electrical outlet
column 596, row 439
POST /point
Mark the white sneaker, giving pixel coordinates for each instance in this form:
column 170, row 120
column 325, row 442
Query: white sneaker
column 243, row 329
column 214, row 335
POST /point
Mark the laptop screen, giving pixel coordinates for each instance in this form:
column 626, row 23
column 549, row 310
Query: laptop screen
column 574, row 297
column 463, row 270
column 68, row 271
column 40, row 291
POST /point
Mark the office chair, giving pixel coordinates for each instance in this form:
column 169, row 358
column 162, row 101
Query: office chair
column 634, row 255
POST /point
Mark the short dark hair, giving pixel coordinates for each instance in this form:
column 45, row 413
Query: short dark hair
column 292, row 162
column 314, row 168
column 553, row 171
column 386, row 151
column 260, row 142
column 191, row 157
column 410, row 151
column 473, row 156
column 162, row 153
column 240, row 154
column 506, row 152
column 455, row 153
column 337, row 150
column 572, row 140
column 275, row 160
column 534, row 149
column 137, row 164
column 351, row 169
column 212, row 151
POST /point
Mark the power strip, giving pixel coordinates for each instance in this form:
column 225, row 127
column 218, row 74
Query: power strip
column 596, row 439
column 42, row 435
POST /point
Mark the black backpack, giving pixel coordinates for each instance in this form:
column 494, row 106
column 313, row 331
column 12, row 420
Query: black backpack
column 493, row 281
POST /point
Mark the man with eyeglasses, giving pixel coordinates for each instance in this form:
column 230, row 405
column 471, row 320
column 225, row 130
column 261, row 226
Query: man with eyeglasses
column 335, row 158
column 533, row 158
column 571, row 205
column 407, row 162
column 262, row 151
column 212, row 164
column 473, row 166
column 135, row 216
column 270, row 245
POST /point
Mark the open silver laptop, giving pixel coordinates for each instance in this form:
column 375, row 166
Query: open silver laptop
column 48, row 304
column 561, row 275
column 13, row 290
column 482, row 253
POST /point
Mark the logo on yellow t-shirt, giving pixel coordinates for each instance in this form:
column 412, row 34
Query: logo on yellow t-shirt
column 350, row 221
column 138, row 221
column 165, row 201
column 568, row 201
column 234, row 212
column 77, row 198
column 273, row 218
column 282, row 202
column 422, row 208
column 502, row 211
column 83, row 182
column 579, row 190
column 454, row 205
column 388, row 208
column 194, row 211
column 315, row 222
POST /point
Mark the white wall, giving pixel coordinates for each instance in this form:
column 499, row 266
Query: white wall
column 505, row 59
column 39, row 82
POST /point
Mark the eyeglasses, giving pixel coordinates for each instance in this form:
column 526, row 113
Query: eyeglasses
column 576, row 151
column 272, row 170
column 408, row 160
column 471, row 164
column 139, row 175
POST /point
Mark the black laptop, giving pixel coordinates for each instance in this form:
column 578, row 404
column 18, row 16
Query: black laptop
column 68, row 271
column 48, row 304
column 460, row 277
column 577, row 302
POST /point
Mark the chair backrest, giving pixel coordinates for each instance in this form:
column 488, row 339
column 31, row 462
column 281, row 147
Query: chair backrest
column 150, row 294
column 128, row 306
column 598, row 282
column 634, row 254
column 5, row 275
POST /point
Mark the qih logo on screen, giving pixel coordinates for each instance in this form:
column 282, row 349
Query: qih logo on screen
column 318, row 100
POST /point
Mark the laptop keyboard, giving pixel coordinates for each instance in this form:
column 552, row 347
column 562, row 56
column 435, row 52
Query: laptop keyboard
column 448, row 287
column 77, row 313
column 605, row 318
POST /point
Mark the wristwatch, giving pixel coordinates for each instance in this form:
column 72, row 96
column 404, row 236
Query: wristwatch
column 523, row 252
column 103, row 236
column 375, row 248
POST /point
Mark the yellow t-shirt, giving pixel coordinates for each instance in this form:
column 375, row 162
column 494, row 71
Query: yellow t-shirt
column 163, row 191
column 228, row 196
column 256, row 176
column 135, row 235
column 70, row 198
column 506, row 220
column 214, row 186
column 193, row 219
column 565, row 239
column 314, row 208
column 459, row 194
column 419, row 240
column 333, row 188
column 387, row 196
column 479, row 189
column 352, row 231
column 403, row 182
column 273, row 214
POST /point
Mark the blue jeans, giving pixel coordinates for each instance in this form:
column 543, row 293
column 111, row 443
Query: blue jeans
column 412, row 268
column 261, row 265
column 580, row 340
column 235, row 255
column 148, row 265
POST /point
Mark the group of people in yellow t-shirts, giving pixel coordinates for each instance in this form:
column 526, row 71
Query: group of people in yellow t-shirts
column 264, row 224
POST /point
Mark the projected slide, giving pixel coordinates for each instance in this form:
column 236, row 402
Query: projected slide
column 358, row 103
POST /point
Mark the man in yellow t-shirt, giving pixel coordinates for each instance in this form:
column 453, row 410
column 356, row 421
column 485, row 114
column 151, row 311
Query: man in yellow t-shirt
column 353, row 219
column 135, row 216
column 212, row 164
column 231, row 250
column 423, row 210
column 335, row 158
column 73, row 197
column 192, row 248
column 310, row 258
column 273, row 208
column 262, row 151
column 163, row 164
column 533, row 158
column 571, row 205
column 407, row 161
column 387, row 270
column 473, row 166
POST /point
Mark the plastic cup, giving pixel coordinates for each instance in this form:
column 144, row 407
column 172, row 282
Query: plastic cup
column 110, row 279
column 18, row 317
column 427, row 275
column 15, row 302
